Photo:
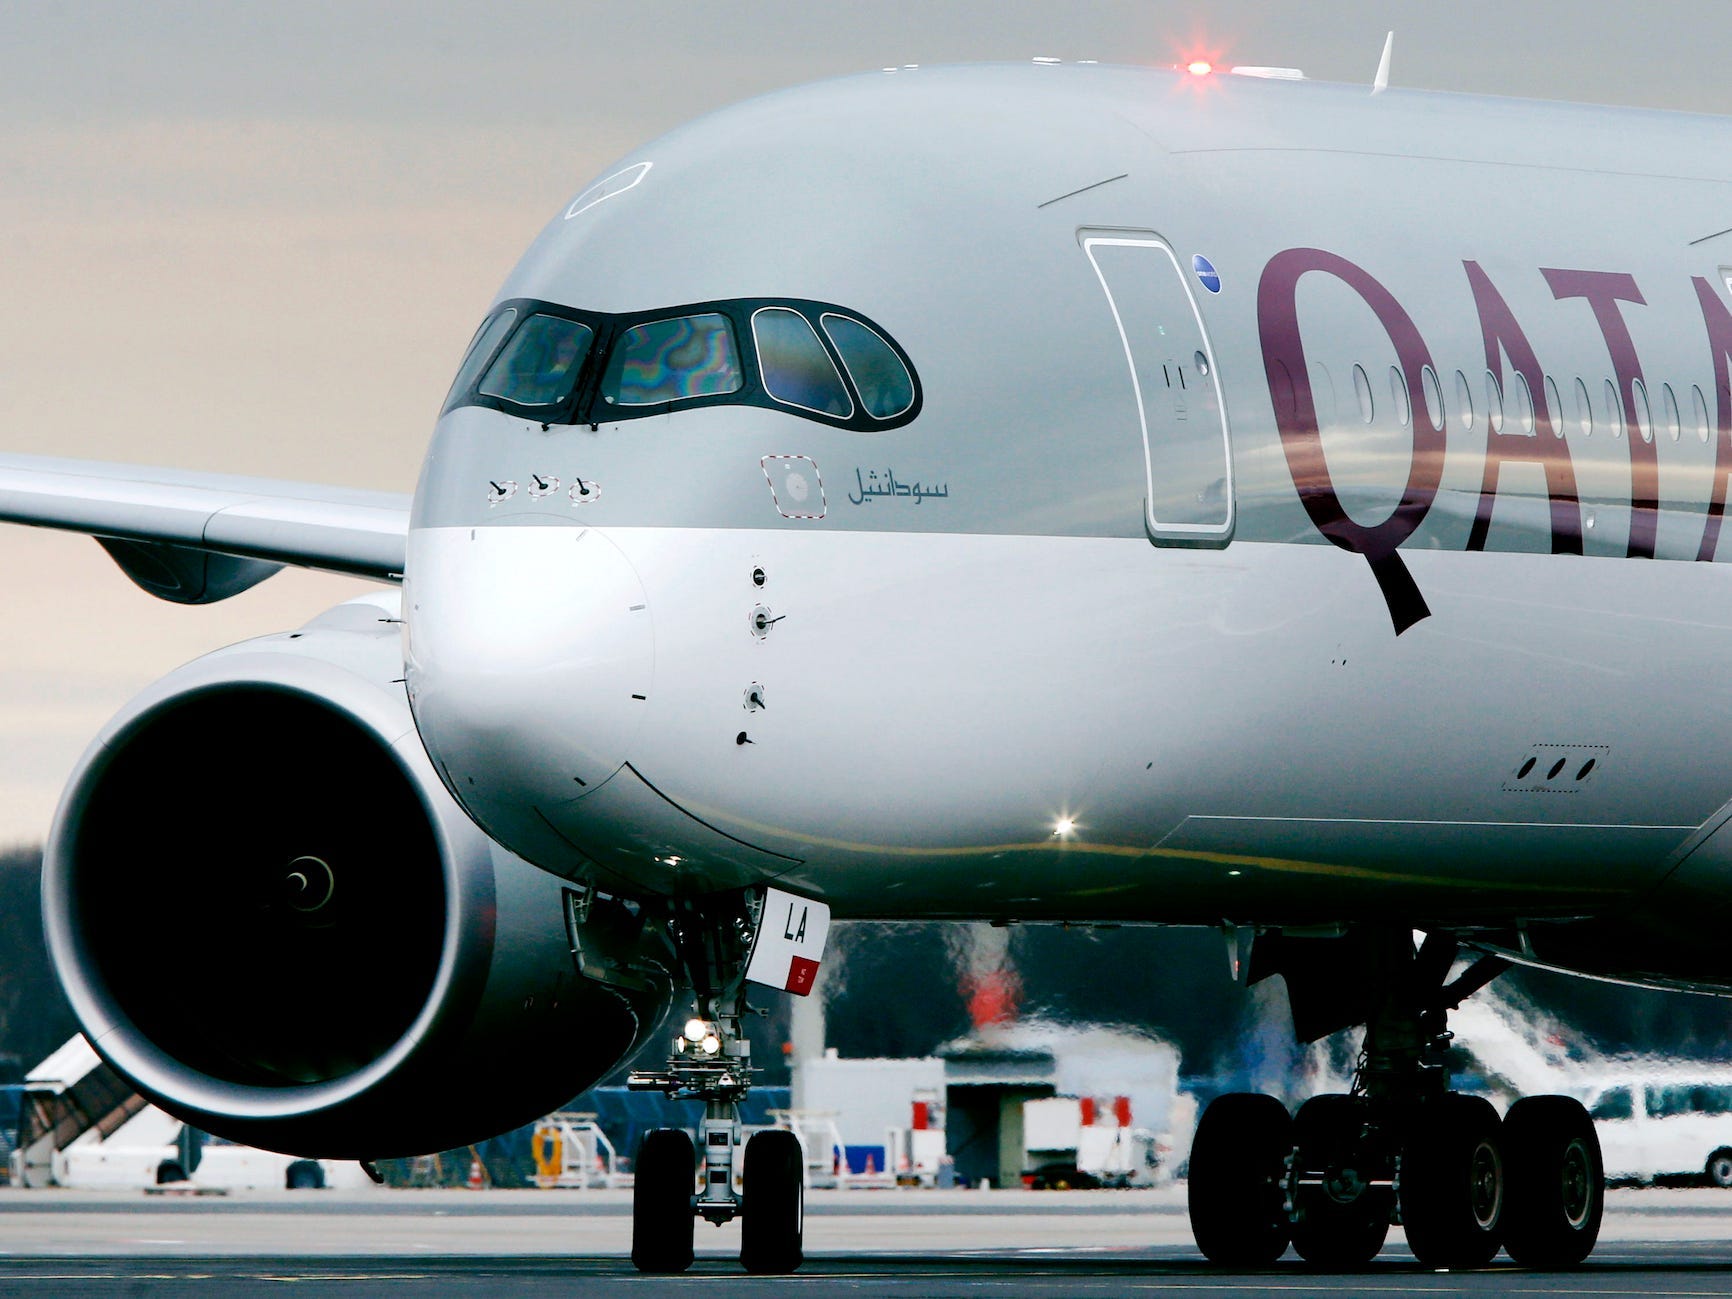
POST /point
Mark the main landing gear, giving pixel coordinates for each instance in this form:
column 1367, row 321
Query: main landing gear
column 711, row 1061
column 1401, row 1147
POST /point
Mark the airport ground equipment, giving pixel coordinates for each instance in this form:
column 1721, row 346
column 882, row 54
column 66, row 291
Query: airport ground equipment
column 824, row 1163
column 85, row 1128
column 1331, row 1178
column 572, row 1152
column 1079, row 1142
column 72, row 1092
column 11, row 1121
column 915, row 1155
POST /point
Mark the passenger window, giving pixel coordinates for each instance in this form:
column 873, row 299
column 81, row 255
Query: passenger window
column 1555, row 406
column 794, row 366
column 540, row 364
column 1523, row 400
column 1614, row 410
column 1433, row 398
column 672, row 360
column 1362, row 390
column 1494, row 402
column 1399, row 395
column 1674, row 423
column 480, row 352
column 1323, row 393
column 883, row 382
column 1584, row 410
column 1644, row 414
column 1614, row 1105
column 1701, row 404
column 1464, row 401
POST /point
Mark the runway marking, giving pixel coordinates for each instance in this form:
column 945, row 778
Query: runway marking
column 339, row 1276
column 1424, row 1289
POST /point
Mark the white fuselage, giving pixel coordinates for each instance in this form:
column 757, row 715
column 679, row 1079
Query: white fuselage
column 717, row 644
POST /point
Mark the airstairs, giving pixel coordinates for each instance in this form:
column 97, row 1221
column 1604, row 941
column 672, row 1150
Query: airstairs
column 70, row 1093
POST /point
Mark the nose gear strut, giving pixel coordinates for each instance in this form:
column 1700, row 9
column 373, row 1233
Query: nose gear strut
column 711, row 1061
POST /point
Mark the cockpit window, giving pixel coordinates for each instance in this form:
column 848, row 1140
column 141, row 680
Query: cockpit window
column 670, row 360
column 883, row 382
column 481, row 349
column 557, row 364
column 540, row 365
column 794, row 365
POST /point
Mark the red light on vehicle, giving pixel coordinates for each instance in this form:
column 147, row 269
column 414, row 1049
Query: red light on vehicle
column 1199, row 67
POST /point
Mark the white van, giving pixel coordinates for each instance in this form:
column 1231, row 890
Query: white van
column 1677, row 1123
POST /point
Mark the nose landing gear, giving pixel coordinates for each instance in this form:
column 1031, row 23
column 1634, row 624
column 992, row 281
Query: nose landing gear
column 711, row 1061
column 1400, row 1147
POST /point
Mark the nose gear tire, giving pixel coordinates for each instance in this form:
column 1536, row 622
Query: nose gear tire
column 772, row 1225
column 662, row 1222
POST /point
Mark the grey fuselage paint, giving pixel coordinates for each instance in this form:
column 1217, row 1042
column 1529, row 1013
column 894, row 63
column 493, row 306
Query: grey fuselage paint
column 1438, row 565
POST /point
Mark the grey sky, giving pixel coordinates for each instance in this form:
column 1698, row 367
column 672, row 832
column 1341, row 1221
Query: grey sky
column 655, row 63
column 255, row 237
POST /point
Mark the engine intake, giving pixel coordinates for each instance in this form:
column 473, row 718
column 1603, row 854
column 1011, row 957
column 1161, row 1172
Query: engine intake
column 272, row 918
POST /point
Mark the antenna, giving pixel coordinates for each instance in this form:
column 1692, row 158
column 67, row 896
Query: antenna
column 1380, row 83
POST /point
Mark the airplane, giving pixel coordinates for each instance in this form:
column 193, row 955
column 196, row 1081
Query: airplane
column 1027, row 493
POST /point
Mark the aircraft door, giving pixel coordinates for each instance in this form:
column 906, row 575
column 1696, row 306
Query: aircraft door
column 1181, row 415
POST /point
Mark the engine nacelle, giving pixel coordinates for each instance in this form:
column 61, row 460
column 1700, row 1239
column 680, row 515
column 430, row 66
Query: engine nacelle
column 271, row 917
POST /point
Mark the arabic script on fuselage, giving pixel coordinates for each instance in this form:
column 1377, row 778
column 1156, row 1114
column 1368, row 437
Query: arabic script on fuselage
column 871, row 485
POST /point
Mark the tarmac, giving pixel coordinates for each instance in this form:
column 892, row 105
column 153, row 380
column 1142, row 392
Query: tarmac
column 1658, row 1243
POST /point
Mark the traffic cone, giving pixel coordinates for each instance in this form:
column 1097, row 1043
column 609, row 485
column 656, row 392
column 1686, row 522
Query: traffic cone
column 476, row 1180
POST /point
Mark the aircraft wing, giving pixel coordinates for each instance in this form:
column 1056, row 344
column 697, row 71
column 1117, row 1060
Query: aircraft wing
column 194, row 537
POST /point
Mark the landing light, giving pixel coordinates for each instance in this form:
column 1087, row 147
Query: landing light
column 711, row 1044
column 1199, row 67
column 1064, row 827
column 696, row 1030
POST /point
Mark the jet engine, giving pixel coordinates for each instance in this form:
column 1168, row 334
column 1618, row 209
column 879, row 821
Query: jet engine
column 272, row 918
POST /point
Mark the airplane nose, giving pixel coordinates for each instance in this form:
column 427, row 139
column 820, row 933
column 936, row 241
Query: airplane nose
column 531, row 655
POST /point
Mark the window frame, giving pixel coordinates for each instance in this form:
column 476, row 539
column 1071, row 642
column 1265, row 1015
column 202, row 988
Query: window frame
column 848, row 375
column 555, row 413
column 839, row 370
column 622, row 329
column 517, row 328
column 585, row 405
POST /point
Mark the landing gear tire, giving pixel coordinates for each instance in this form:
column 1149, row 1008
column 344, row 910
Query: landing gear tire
column 1453, row 1186
column 772, row 1222
column 1339, row 1221
column 662, row 1223
column 1236, row 1192
column 1557, row 1186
